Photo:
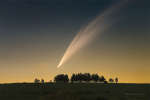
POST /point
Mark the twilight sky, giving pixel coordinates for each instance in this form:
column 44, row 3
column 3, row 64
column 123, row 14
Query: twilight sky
column 34, row 35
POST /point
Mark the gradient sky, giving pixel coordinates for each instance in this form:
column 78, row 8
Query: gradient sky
column 34, row 35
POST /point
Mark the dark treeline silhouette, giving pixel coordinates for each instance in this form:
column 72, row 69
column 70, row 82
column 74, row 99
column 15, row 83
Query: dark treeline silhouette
column 61, row 78
column 79, row 78
column 87, row 77
column 82, row 78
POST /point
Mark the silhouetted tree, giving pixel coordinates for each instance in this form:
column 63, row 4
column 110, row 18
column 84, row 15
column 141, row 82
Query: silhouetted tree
column 111, row 80
column 61, row 78
column 116, row 79
column 102, row 79
column 86, row 77
column 95, row 77
column 36, row 80
column 105, row 82
column 80, row 77
column 42, row 80
column 73, row 78
column 66, row 79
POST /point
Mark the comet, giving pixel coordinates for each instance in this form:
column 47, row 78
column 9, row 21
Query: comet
column 94, row 28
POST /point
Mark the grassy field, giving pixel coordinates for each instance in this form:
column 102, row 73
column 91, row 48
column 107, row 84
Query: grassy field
column 77, row 91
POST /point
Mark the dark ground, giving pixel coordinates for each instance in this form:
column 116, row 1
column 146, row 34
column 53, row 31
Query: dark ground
column 76, row 91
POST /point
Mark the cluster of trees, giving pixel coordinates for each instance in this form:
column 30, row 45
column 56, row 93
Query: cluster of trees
column 87, row 77
column 61, row 78
column 83, row 77
column 79, row 78
column 38, row 81
column 111, row 80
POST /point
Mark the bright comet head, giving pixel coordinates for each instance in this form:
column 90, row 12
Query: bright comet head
column 58, row 65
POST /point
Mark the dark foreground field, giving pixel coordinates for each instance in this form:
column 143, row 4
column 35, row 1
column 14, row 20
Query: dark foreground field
column 76, row 91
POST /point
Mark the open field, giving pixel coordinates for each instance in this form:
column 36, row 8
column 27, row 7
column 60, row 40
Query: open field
column 76, row 91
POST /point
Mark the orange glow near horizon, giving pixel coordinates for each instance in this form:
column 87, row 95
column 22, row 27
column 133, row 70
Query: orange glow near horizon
column 127, row 67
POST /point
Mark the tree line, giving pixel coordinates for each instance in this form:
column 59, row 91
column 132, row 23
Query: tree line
column 79, row 78
column 83, row 78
